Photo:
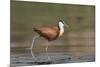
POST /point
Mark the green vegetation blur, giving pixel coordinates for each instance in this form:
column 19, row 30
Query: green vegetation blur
column 26, row 15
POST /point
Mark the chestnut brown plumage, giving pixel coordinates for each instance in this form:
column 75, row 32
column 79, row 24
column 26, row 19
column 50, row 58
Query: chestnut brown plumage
column 50, row 33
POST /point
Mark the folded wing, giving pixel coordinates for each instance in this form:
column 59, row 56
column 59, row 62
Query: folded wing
column 49, row 33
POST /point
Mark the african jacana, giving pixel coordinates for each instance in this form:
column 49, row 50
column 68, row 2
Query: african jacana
column 50, row 32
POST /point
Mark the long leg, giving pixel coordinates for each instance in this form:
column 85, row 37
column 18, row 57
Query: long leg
column 33, row 40
column 47, row 52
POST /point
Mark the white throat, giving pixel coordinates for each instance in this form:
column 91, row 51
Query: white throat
column 61, row 26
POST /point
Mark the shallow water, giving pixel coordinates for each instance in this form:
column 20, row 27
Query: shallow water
column 26, row 59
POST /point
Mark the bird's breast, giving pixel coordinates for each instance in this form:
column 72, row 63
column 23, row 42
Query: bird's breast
column 61, row 31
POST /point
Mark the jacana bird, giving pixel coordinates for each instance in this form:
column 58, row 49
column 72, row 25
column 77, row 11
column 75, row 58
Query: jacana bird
column 50, row 33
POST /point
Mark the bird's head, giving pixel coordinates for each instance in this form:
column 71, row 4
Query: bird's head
column 62, row 23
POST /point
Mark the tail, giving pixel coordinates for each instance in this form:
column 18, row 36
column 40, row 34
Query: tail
column 35, row 29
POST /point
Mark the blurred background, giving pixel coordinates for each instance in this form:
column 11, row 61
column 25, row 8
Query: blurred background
column 78, row 39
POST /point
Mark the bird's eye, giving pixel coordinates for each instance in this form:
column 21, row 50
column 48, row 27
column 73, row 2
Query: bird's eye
column 63, row 22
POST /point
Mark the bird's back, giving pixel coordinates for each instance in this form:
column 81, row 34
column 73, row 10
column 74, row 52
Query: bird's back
column 49, row 33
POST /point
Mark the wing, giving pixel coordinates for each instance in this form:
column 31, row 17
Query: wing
column 48, row 32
